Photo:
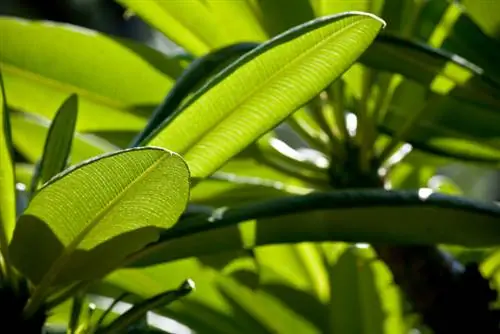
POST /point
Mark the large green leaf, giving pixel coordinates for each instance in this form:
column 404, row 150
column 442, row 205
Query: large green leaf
column 83, row 222
column 114, row 78
column 279, row 76
column 7, row 178
column 373, row 216
column 196, row 25
column 58, row 143
column 198, row 72
column 448, row 92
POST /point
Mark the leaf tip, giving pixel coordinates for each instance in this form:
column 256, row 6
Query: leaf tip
column 187, row 286
column 370, row 15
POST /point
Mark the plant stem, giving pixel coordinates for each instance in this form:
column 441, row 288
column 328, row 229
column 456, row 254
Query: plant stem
column 450, row 299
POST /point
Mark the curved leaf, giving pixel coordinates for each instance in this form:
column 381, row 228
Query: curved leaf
column 279, row 76
column 83, row 222
column 58, row 142
column 114, row 78
column 197, row 73
column 458, row 33
column 134, row 314
column 372, row 216
column 196, row 25
column 451, row 91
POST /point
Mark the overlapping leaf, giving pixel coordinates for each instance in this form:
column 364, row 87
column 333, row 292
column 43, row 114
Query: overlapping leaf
column 114, row 78
column 282, row 74
column 451, row 90
column 355, row 216
column 58, row 142
column 196, row 24
column 86, row 220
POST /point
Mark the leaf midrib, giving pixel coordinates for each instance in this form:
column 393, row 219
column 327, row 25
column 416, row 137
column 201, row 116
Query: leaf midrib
column 262, row 87
column 71, row 247
column 63, row 87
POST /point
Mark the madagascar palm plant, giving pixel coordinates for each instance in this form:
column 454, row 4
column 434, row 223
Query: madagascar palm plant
column 271, row 235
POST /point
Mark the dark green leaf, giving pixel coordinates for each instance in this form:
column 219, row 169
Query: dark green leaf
column 372, row 216
column 123, row 322
column 58, row 142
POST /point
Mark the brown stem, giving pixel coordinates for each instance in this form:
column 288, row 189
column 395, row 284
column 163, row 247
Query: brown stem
column 450, row 299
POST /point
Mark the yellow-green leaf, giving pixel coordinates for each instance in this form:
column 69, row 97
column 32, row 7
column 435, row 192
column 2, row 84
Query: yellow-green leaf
column 114, row 78
column 86, row 220
column 7, row 179
column 263, row 87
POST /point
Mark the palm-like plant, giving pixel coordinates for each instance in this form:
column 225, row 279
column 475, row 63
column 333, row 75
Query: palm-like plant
column 259, row 275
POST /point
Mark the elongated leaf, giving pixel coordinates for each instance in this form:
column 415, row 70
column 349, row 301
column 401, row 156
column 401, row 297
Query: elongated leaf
column 451, row 91
column 86, row 220
column 206, row 308
column 196, row 25
column 29, row 134
column 273, row 315
column 265, row 86
column 197, row 73
column 133, row 315
column 300, row 266
column 7, row 179
column 458, row 33
column 363, row 288
column 371, row 216
column 114, row 78
column 58, row 143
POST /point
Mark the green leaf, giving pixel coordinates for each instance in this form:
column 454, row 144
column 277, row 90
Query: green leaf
column 486, row 14
column 202, row 311
column 444, row 91
column 71, row 223
column 458, row 33
column 196, row 25
column 372, row 216
column 279, row 76
column 197, row 73
column 58, row 143
column 29, row 134
column 362, row 288
column 300, row 266
column 134, row 314
column 114, row 78
column 270, row 312
column 7, row 177
column 281, row 15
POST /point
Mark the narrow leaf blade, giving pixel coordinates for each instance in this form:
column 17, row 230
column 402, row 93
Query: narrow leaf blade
column 7, row 178
column 59, row 140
